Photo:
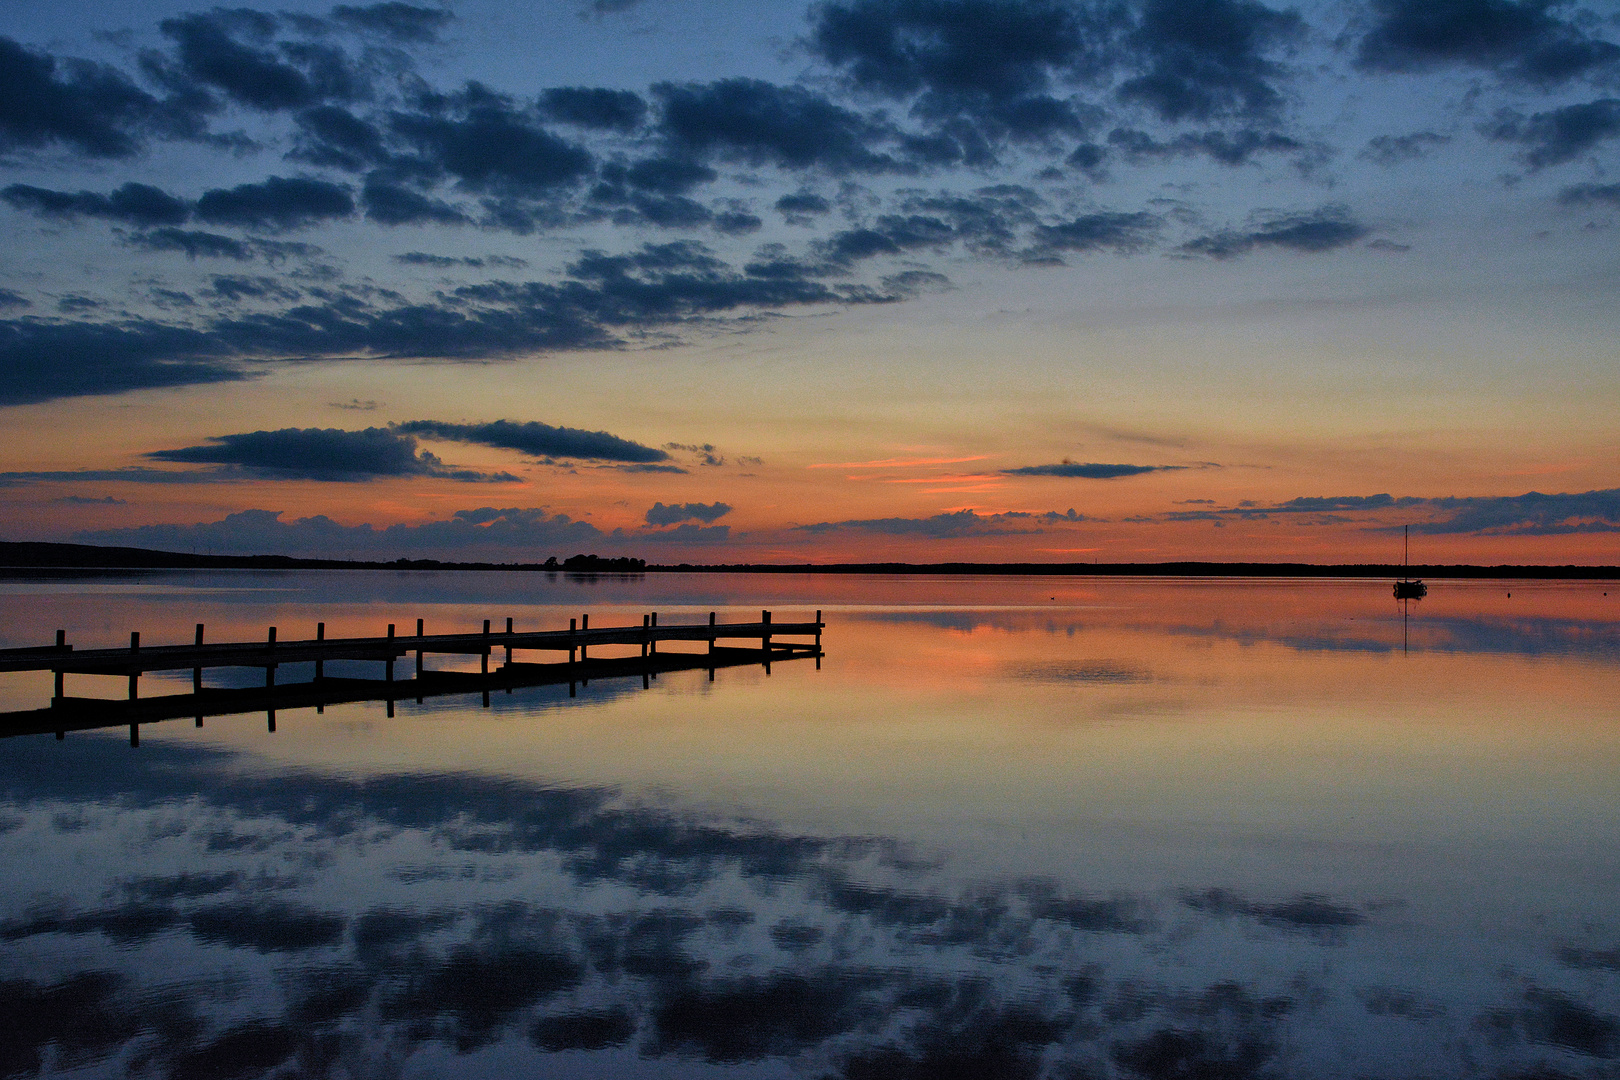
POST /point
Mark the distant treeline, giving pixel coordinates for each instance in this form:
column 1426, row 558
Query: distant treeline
column 44, row 556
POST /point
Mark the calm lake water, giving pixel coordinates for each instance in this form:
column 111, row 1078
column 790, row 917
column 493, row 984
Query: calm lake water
column 1012, row 827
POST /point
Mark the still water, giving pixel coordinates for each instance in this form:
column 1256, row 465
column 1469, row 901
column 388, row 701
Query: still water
column 1011, row 827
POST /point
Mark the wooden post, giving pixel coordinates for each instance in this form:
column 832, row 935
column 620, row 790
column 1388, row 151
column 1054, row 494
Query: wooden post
column 389, row 678
column 270, row 688
column 320, row 663
column 584, row 624
column 509, row 644
column 196, row 672
column 765, row 638
column 61, row 643
column 418, row 653
column 645, row 623
column 711, row 639
column 818, row 639
column 483, row 660
column 134, row 676
column 571, row 641
column 652, row 643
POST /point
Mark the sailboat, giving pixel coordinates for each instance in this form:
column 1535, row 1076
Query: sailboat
column 1409, row 588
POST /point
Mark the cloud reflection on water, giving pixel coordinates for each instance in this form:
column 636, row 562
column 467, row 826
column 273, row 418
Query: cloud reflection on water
column 636, row 932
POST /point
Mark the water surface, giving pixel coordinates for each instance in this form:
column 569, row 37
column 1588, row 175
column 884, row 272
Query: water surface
column 1012, row 827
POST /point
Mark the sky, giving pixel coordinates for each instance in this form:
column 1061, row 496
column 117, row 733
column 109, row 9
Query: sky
column 921, row 280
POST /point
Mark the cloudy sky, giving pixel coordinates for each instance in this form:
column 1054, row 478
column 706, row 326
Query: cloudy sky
column 709, row 280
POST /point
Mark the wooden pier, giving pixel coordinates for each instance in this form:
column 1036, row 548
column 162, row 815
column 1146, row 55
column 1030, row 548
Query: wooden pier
column 78, row 713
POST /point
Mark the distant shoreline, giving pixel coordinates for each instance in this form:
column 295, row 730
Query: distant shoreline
column 38, row 556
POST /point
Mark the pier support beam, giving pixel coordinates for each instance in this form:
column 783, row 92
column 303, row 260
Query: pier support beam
column 61, row 643
column 134, row 676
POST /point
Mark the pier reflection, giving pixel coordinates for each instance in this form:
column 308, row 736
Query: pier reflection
column 80, row 714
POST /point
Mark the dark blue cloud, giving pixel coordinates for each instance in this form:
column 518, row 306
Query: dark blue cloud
column 594, row 107
column 134, row 474
column 799, row 206
column 393, row 204
column 1227, row 147
column 486, row 143
column 133, row 204
column 1590, row 194
column 949, row 526
column 445, row 262
column 1394, row 149
column 1087, row 471
column 1530, row 514
column 601, row 298
column 1522, row 39
column 332, row 136
column 1206, row 59
column 666, row 176
column 993, row 64
column 401, row 22
column 761, row 123
column 1558, row 135
column 276, row 203
column 1323, row 229
column 194, row 244
column 323, row 454
column 890, row 234
column 540, row 440
column 95, row 109
column 44, row 360
column 993, row 48
column 488, row 529
column 1102, row 231
column 986, row 220
column 207, row 51
column 707, row 513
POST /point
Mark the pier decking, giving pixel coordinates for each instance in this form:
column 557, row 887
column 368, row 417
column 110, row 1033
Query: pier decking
column 78, row 713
